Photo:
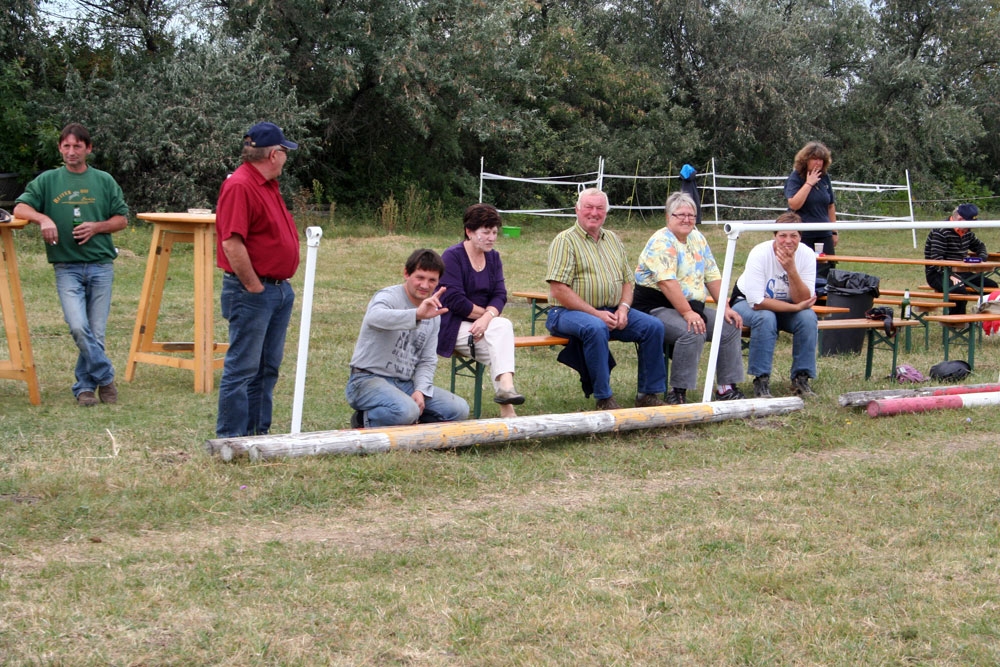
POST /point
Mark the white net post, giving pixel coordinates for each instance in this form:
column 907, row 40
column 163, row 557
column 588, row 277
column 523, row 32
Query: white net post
column 313, row 235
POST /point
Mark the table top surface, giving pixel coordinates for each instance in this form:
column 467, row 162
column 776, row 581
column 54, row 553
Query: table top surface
column 915, row 261
column 179, row 216
column 15, row 223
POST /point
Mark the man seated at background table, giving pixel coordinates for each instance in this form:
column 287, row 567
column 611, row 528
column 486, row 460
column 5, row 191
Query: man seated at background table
column 955, row 244
column 392, row 369
column 591, row 283
column 776, row 292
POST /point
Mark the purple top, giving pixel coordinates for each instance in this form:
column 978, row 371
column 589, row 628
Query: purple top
column 466, row 288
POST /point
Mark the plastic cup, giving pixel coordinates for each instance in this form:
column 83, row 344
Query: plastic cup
column 819, row 248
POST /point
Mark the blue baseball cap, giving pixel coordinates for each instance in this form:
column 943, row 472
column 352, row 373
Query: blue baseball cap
column 968, row 211
column 263, row 135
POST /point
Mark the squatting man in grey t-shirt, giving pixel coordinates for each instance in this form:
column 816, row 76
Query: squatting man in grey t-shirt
column 392, row 370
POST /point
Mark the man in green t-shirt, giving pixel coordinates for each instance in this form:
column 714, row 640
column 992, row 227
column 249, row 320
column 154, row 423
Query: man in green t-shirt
column 77, row 208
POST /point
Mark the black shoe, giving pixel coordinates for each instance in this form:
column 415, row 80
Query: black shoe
column 358, row 419
column 800, row 385
column 734, row 394
column 762, row 386
column 676, row 396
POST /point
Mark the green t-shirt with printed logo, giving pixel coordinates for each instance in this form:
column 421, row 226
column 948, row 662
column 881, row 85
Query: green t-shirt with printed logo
column 58, row 192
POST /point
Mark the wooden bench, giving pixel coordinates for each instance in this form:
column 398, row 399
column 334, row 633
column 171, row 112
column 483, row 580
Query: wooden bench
column 962, row 329
column 876, row 337
column 469, row 367
column 966, row 296
column 539, row 304
column 970, row 290
column 920, row 308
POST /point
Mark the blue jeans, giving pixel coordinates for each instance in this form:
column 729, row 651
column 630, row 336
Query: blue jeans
column 387, row 401
column 643, row 329
column 764, row 326
column 257, row 326
column 85, row 294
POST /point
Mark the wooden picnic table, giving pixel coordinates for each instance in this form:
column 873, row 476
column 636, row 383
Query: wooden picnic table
column 947, row 267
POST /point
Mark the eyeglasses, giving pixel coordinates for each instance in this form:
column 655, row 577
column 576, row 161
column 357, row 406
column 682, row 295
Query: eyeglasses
column 683, row 216
column 281, row 148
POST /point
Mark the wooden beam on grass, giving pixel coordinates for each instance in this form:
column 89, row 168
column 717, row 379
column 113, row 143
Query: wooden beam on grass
column 471, row 433
column 860, row 399
column 899, row 406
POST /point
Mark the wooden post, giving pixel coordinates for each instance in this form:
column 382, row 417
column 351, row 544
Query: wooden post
column 860, row 399
column 20, row 365
column 897, row 406
column 488, row 431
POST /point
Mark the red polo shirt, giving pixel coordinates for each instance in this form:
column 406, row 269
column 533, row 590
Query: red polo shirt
column 251, row 207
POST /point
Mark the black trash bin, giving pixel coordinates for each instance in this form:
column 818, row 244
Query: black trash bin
column 848, row 289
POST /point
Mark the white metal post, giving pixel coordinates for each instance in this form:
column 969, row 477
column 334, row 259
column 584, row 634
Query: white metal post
column 715, row 193
column 313, row 235
column 720, row 315
column 909, row 199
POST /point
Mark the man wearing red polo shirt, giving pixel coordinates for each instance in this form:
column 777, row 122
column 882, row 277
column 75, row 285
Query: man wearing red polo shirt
column 258, row 248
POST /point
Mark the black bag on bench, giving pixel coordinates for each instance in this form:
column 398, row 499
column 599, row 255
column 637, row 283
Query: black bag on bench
column 883, row 314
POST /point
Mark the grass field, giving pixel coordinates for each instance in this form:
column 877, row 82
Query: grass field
column 823, row 537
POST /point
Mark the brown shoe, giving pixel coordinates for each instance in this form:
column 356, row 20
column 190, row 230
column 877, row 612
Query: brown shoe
column 800, row 385
column 608, row 403
column 108, row 393
column 648, row 401
column 86, row 399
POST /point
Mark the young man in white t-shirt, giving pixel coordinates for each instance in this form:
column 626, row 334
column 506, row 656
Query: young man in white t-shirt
column 776, row 293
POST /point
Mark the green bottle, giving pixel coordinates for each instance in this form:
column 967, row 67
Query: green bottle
column 77, row 218
column 905, row 305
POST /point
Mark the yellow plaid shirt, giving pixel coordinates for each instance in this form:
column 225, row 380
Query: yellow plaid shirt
column 595, row 270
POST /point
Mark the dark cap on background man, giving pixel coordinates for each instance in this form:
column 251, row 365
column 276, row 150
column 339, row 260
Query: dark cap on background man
column 968, row 211
column 263, row 135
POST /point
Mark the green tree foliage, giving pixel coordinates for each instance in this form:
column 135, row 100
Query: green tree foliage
column 917, row 102
column 172, row 131
column 387, row 96
column 125, row 26
column 18, row 47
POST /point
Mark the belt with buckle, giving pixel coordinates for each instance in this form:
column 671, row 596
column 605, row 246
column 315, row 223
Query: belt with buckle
column 263, row 279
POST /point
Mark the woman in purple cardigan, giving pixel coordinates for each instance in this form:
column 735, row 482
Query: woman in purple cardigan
column 475, row 296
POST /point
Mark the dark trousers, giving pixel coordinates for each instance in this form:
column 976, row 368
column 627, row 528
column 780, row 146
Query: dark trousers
column 970, row 279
